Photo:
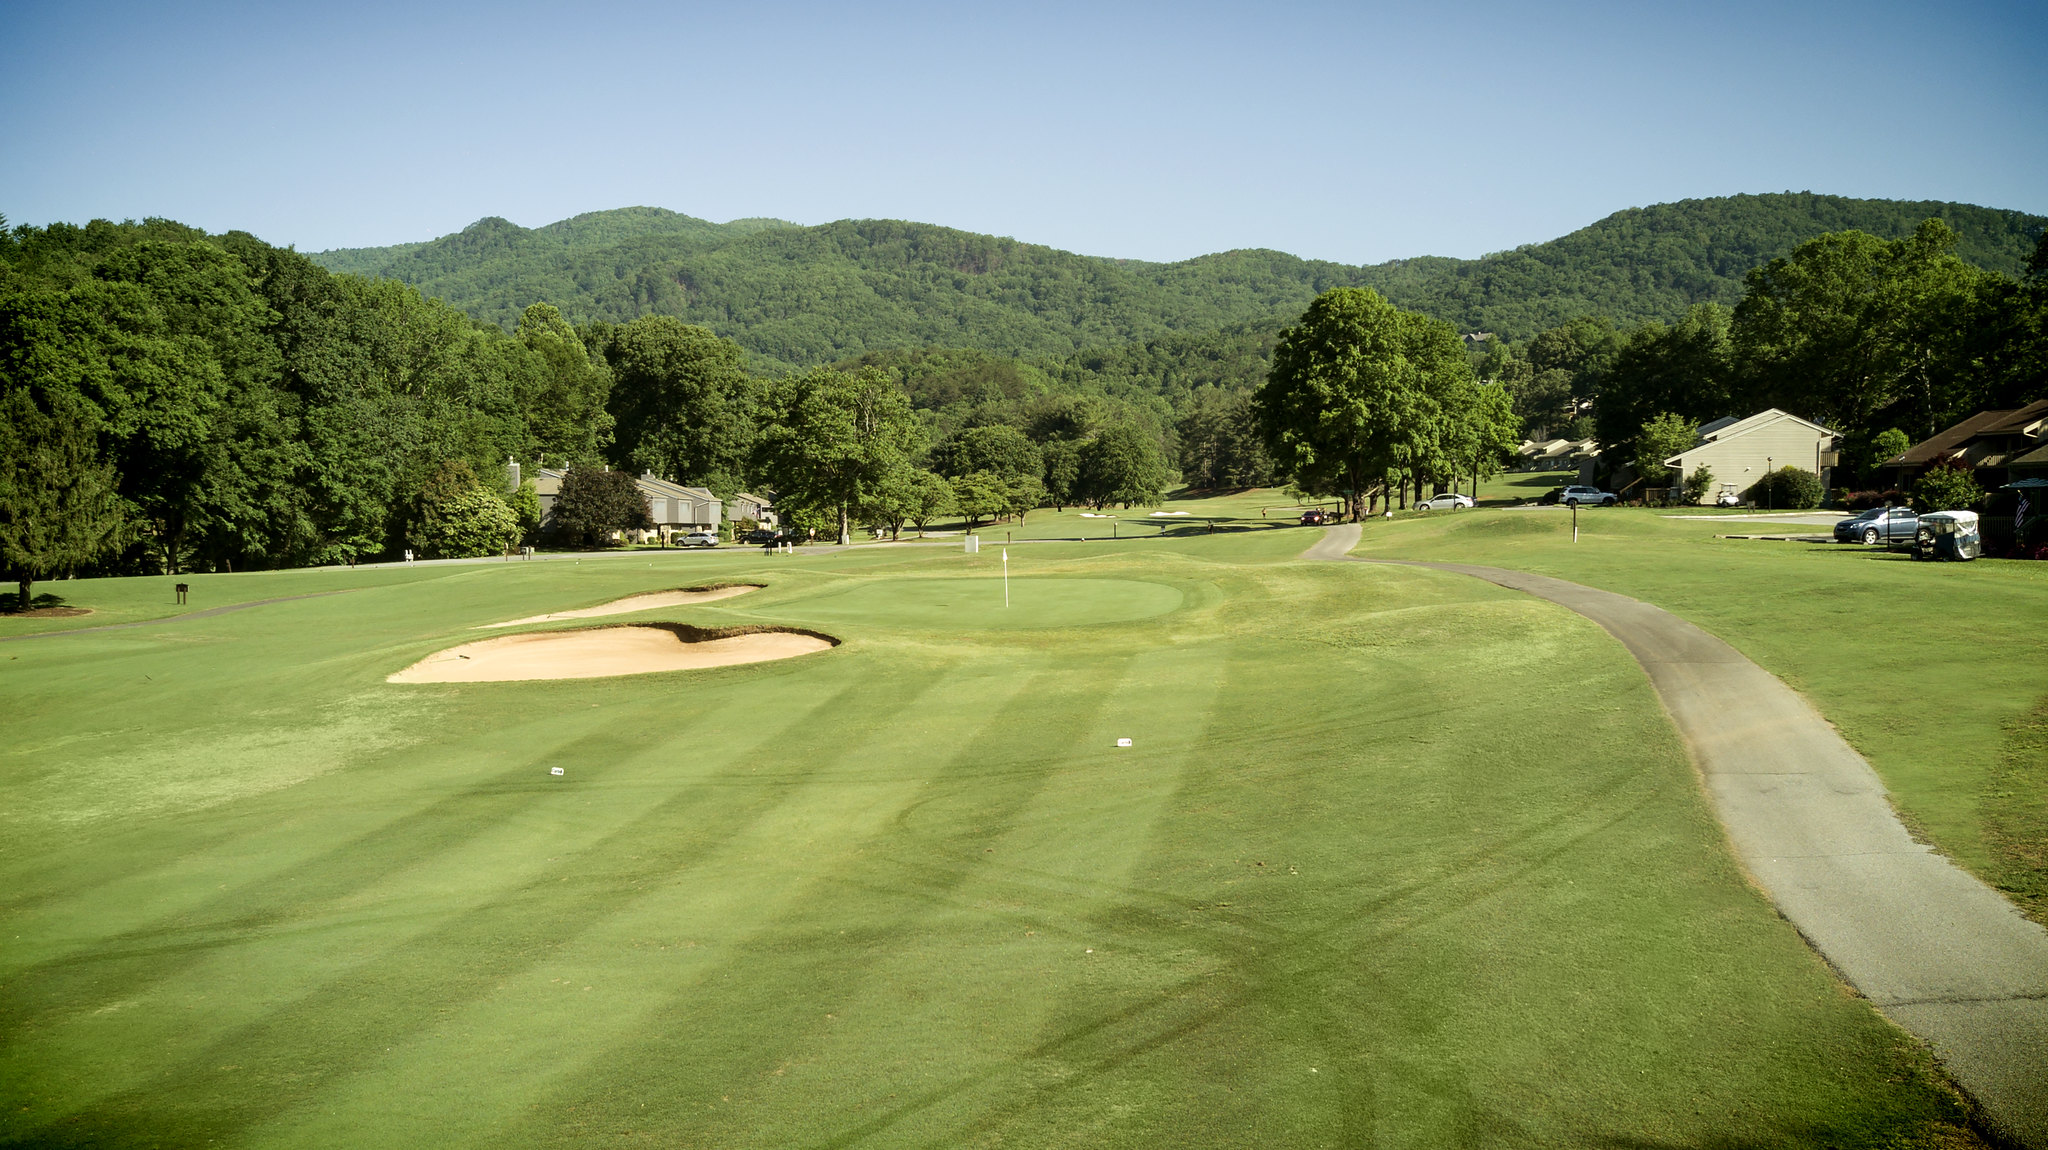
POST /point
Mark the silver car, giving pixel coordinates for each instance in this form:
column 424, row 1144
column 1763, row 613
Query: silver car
column 1445, row 503
column 1878, row 525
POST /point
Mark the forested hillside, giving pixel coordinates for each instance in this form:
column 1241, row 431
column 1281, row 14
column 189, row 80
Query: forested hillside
column 806, row 295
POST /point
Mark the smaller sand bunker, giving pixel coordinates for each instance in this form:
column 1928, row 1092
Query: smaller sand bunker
column 600, row 652
column 633, row 603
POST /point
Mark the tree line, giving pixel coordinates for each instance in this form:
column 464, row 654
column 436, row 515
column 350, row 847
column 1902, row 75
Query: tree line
column 1883, row 340
column 175, row 401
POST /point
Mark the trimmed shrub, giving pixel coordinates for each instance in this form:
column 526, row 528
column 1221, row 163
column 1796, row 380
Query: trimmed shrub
column 1699, row 484
column 1786, row 489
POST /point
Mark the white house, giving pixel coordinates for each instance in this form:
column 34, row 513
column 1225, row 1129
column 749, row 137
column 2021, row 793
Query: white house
column 1739, row 451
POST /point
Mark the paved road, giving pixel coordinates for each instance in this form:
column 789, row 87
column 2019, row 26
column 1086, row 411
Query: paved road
column 1939, row 952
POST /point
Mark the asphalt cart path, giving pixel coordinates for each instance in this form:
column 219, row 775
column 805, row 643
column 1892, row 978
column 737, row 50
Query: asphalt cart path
column 1936, row 950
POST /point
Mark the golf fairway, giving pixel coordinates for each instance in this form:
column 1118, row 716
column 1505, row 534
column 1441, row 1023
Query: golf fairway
column 1394, row 858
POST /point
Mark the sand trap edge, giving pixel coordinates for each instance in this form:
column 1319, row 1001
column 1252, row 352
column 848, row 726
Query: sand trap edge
column 687, row 633
column 613, row 607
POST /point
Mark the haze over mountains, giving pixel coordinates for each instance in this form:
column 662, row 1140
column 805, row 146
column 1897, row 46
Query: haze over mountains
column 795, row 295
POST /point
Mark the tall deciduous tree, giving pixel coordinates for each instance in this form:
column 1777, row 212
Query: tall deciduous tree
column 682, row 399
column 58, row 510
column 1687, row 369
column 563, row 396
column 1121, row 465
column 1853, row 331
column 996, row 448
column 1355, row 392
column 832, row 437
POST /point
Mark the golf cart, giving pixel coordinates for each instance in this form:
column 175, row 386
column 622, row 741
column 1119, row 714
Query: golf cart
column 1728, row 496
column 1948, row 535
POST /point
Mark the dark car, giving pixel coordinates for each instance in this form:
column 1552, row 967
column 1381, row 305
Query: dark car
column 759, row 537
column 1314, row 518
column 1878, row 525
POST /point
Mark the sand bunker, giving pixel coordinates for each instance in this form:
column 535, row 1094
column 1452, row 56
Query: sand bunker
column 634, row 603
column 598, row 652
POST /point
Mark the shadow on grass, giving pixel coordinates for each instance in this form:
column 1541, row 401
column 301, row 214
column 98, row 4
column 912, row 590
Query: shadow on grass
column 11, row 602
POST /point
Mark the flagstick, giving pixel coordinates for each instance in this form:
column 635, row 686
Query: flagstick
column 1006, row 578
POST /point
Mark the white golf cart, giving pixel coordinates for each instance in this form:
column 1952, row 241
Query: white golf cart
column 1948, row 535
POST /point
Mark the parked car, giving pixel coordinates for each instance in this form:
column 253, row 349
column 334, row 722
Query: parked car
column 1576, row 494
column 701, row 539
column 1878, row 525
column 1314, row 517
column 759, row 537
column 1445, row 503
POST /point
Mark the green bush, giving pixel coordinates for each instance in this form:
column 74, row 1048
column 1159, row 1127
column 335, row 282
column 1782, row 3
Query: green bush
column 457, row 517
column 1950, row 485
column 1698, row 484
column 1786, row 489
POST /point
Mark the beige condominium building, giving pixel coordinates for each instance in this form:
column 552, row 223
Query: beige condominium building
column 1739, row 451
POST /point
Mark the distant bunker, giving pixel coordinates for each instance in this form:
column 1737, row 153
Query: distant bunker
column 645, row 602
column 602, row 652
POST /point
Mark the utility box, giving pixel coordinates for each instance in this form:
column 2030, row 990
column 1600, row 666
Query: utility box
column 974, row 544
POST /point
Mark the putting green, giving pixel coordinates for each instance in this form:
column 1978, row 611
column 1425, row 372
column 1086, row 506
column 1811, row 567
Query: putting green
column 953, row 604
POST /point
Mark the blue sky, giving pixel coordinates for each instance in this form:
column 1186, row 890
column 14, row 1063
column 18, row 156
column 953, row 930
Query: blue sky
column 1353, row 132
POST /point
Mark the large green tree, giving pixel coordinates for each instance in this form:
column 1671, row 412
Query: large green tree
column 1687, row 368
column 564, row 389
column 1122, row 465
column 682, row 400
column 1857, row 332
column 996, row 448
column 58, row 508
column 1356, row 392
column 832, row 437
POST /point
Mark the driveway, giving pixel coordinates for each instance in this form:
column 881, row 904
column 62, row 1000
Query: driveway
column 1937, row 951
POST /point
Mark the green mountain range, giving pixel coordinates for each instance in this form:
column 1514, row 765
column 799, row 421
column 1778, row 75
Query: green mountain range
column 796, row 295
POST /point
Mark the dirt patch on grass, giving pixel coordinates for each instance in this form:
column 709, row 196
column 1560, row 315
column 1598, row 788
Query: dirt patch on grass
column 601, row 652
column 644, row 602
column 47, row 613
